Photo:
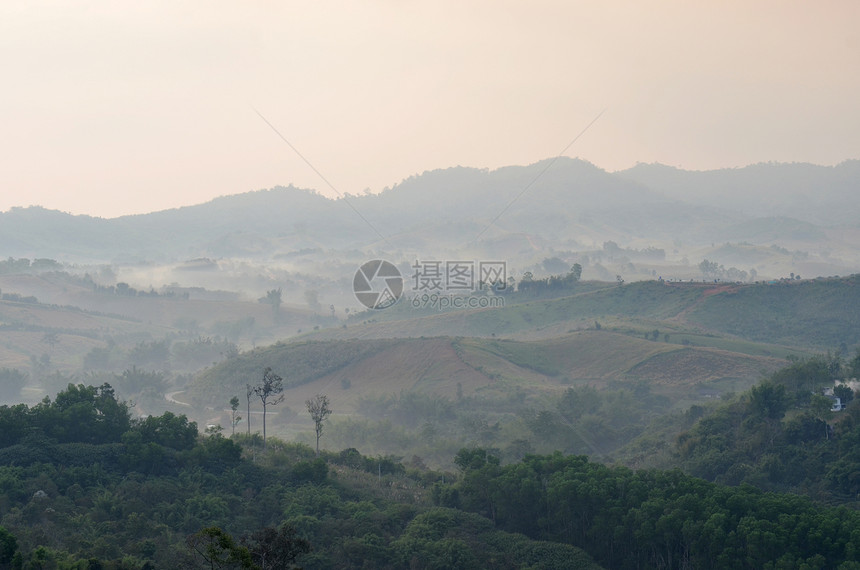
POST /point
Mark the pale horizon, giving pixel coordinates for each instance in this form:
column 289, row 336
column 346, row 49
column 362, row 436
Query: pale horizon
column 118, row 108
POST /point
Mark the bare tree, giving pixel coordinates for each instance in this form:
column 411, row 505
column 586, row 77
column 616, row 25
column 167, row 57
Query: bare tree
column 270, row 394
column 248, row 391
column 319, row 410
column 234, row 415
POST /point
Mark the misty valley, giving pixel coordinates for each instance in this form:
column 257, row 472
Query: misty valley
column 653, row 368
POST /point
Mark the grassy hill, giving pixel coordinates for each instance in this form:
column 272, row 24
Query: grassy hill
column 584, row 372
column 686, row 341
column 57, row 315
column 813, row 315
column 524, row 316
column 29, row 331
column 349, row 370
column 428, row 397
column 756, row 319
column 822, row 313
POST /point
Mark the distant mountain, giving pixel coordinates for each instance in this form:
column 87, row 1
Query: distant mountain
column 822, row 195
column 556, row 203
column 240, row 225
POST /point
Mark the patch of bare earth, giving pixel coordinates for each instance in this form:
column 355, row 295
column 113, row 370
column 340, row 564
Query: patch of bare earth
column 689, row 366
column 427, row 365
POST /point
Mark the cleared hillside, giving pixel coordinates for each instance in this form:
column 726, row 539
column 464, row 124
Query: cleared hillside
column 455, row 367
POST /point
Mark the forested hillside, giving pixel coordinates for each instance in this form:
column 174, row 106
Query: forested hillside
column 782, row 434
column 84, row 485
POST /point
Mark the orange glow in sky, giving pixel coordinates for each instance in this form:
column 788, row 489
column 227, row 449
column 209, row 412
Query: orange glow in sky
column 113, row 107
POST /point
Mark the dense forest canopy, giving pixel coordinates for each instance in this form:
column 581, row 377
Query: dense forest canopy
column 85, row 485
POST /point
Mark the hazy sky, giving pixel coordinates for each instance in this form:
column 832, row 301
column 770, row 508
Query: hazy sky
column 114, row 107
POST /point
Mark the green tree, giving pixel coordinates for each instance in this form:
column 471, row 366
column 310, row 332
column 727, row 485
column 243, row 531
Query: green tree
column 276, row 549
column 154, row 355
column 579, row 401
column 217, row 549
column 15, row 423
column 821, row 408
column 136, row 381
column 273, row 298
column 8, row 547
column 854, row 365
column 844, row 393
column 769, row 400
column 11, row 382
column 84, row 414
column 318, row 408
column 804, row 376
column 312, row 298
column 51, row 338
column 710, row 269
column 168, row 430
column 479, row 469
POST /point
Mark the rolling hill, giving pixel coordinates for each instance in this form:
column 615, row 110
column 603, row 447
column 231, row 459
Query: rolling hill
column 817, row 314
column 349, row 370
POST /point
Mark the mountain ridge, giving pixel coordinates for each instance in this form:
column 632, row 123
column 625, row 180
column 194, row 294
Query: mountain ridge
column 559, row 203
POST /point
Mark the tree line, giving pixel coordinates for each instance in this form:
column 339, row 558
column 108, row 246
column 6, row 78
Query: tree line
column 528, row 284
column 652, row 519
